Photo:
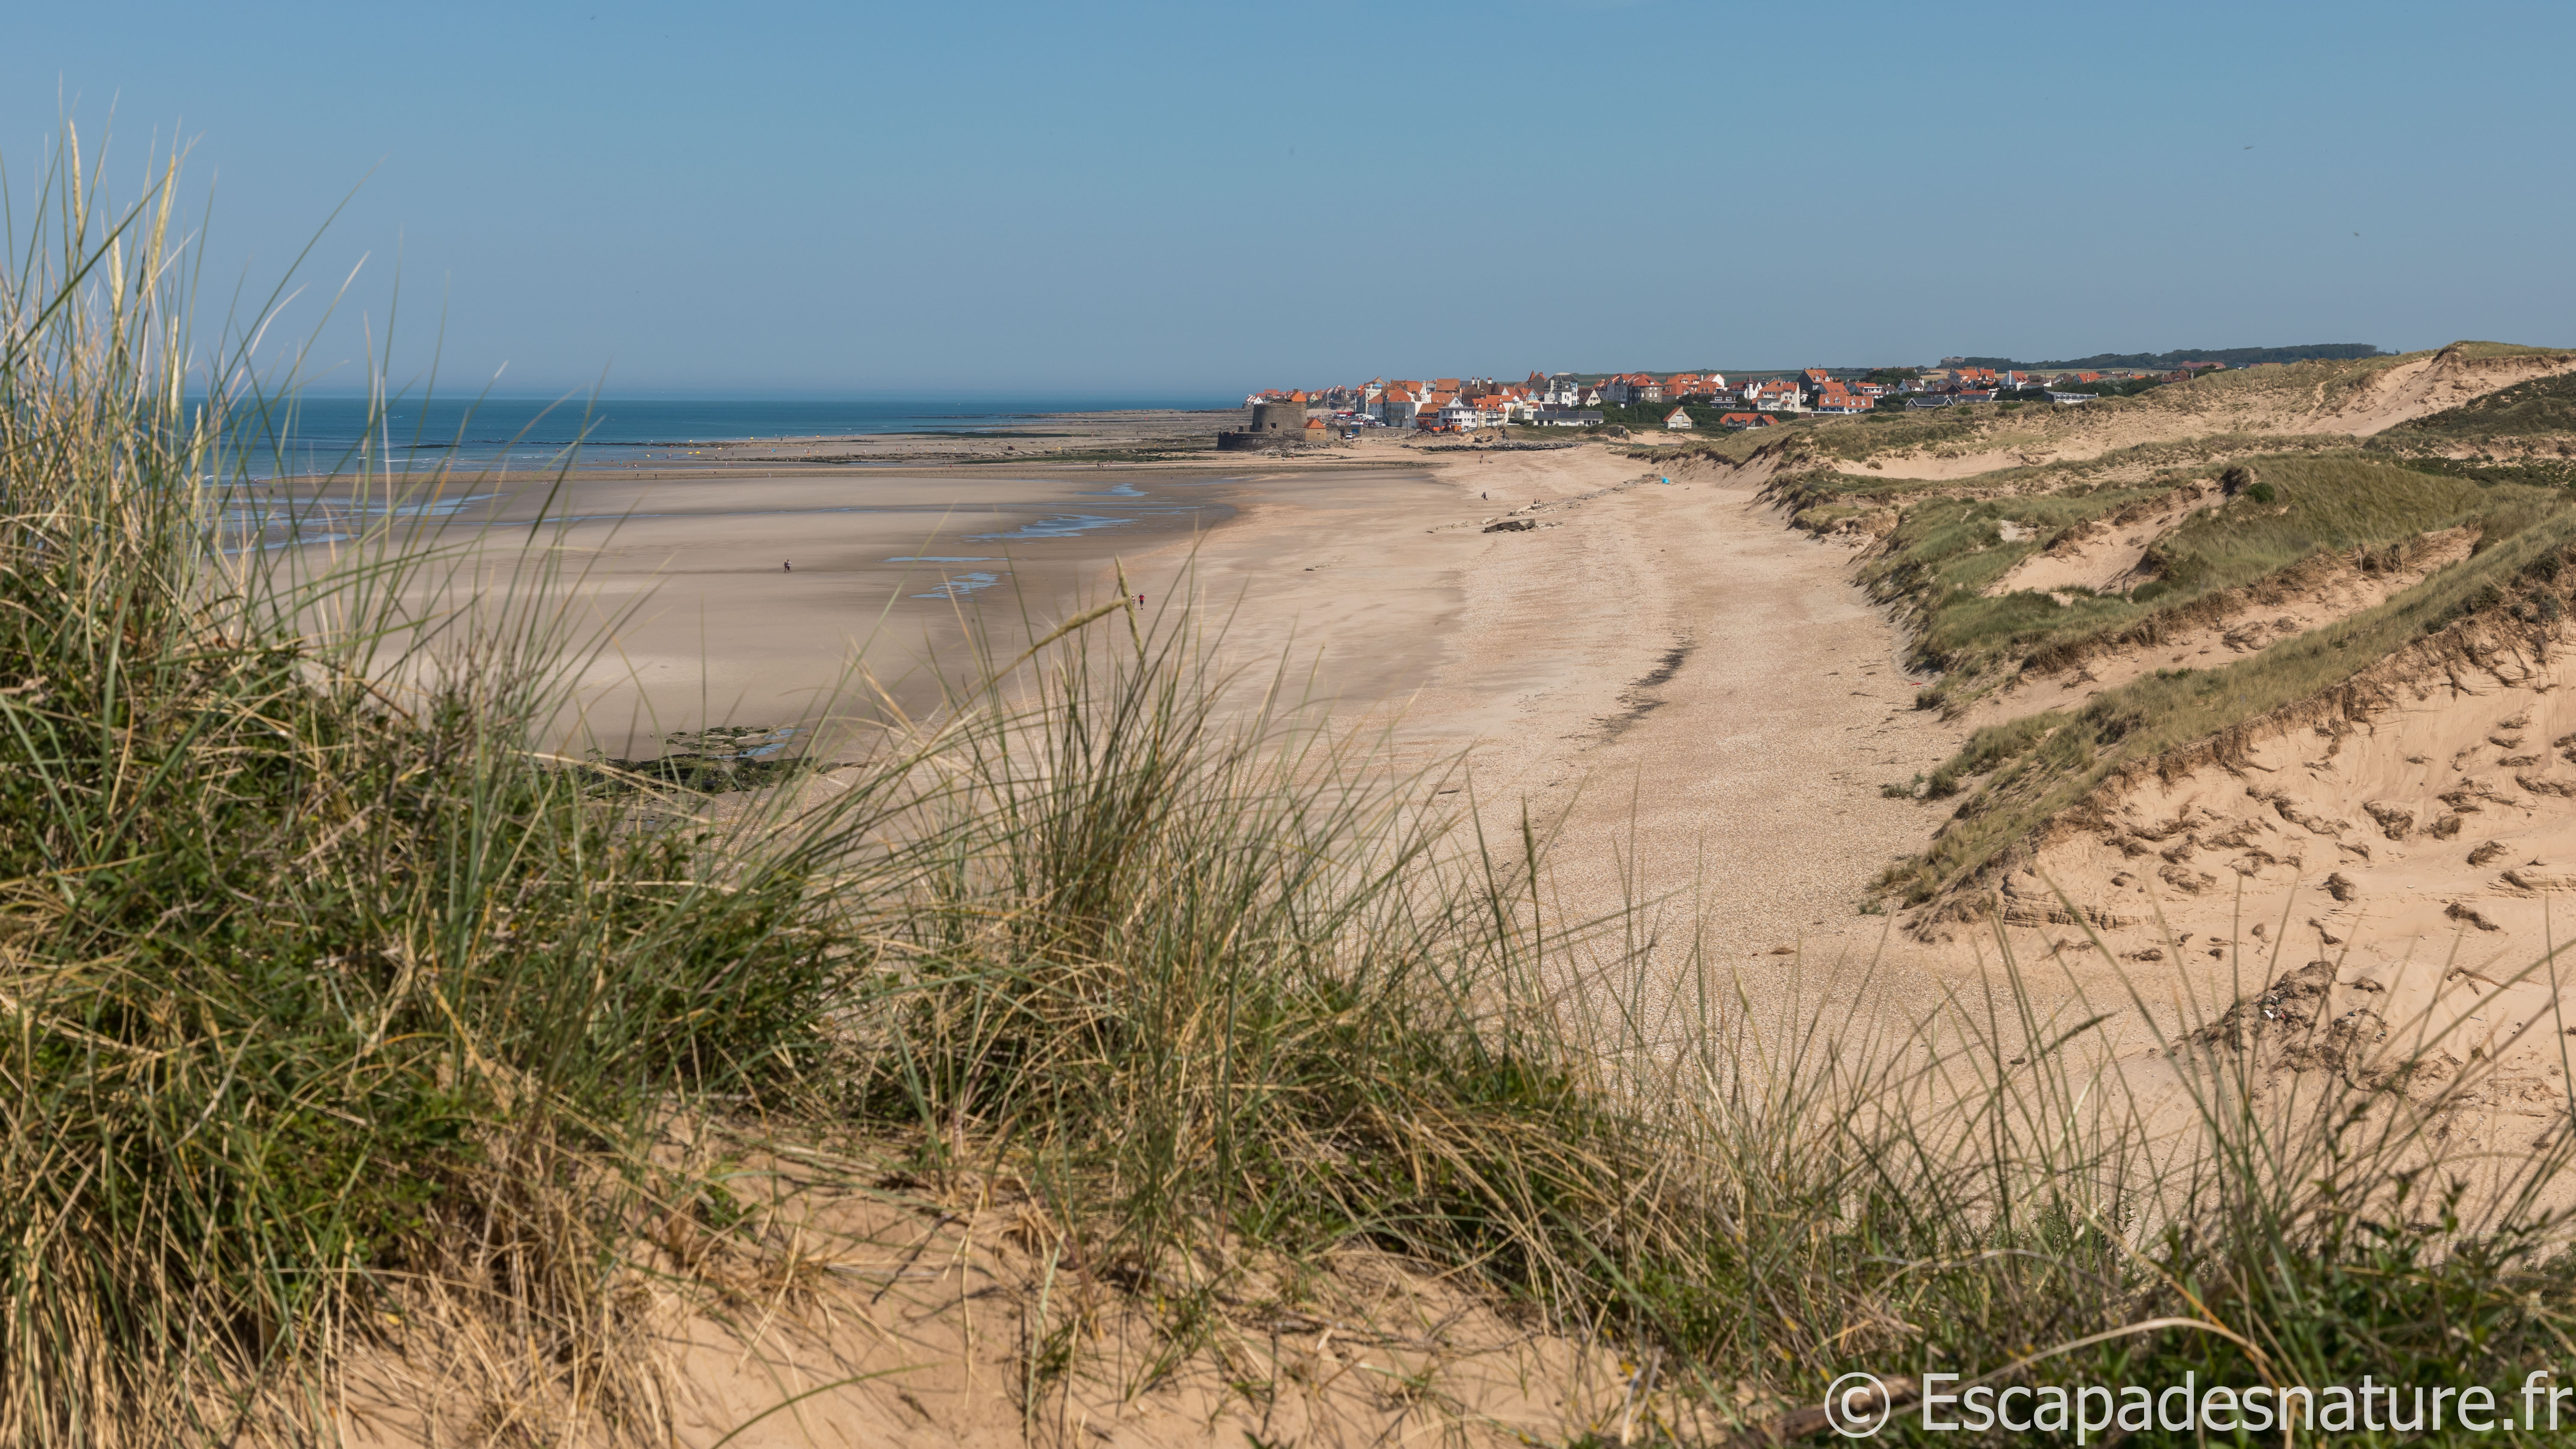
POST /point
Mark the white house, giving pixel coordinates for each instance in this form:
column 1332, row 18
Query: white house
column 1679, row 419
column 1775, row 396
column 1465, row 415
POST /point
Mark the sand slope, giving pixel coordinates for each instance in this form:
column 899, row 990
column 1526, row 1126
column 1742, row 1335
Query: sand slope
column 2418, row 831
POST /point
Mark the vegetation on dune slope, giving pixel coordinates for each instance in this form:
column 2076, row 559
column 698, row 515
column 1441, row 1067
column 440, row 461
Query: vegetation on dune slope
column 1946, row 553
column 336, row 1016
column 2041, row 771
column 2544, row 405
column 1948, row 545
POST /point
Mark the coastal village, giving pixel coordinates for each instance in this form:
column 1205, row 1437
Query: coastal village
column 1677, row 401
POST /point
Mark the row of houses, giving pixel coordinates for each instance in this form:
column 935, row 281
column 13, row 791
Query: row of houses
column 1465, row 404
column 1452, row 404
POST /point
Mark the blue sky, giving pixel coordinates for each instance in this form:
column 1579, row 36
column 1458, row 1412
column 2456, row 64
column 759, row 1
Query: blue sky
column 1205, row 198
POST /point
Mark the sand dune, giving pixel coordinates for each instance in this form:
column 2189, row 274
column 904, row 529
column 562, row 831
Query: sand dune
column 2298, row 399
column 2307, row 596
column 2418, row 834
column 2103, row 557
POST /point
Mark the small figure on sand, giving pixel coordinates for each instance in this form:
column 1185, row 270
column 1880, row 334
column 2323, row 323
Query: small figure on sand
column 788, row 567
column 1140, row 601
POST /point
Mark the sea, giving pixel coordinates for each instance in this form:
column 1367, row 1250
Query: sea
column 319, row 434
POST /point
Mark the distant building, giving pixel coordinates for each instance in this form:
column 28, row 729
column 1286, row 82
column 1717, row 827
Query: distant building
column 1775, row 396
column 1275, row 423
column 1746, row 420
column 1679, row 420
column 1633, row 387
column 1463, row 414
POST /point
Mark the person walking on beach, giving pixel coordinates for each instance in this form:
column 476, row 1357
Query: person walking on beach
column 788, row 567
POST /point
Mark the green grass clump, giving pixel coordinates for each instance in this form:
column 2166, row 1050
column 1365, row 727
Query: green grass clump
column 1892, row 432
column 2529, row 471
column 309, row 976
column 2328, row 504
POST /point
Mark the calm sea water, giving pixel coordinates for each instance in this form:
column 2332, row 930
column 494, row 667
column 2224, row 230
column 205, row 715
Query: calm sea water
column 320, row 432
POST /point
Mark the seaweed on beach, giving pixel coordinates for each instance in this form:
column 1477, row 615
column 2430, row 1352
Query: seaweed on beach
column 712, row 761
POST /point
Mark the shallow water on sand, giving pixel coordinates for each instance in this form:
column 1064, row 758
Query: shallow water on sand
column 733, row 597
column 318, row 433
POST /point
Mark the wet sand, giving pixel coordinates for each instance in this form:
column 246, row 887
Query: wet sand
column 754, row 596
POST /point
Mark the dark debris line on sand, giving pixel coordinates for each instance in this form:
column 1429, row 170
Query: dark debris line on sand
column 711, row 761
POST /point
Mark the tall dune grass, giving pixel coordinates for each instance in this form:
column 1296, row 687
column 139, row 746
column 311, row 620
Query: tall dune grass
column 338, row 1018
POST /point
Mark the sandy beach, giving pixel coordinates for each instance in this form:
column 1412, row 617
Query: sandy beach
column 1696, row 699
column 1699, row 699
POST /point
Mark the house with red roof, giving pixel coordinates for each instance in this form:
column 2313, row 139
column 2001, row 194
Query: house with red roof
column 1679, row 420
column 1465, row 414
column 1776, row 395
column 1633, row 387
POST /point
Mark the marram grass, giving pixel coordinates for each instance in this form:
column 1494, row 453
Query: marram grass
column 337, row 1018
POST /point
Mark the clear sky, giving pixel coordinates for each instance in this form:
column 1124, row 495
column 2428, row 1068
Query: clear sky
column 1205, row 198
